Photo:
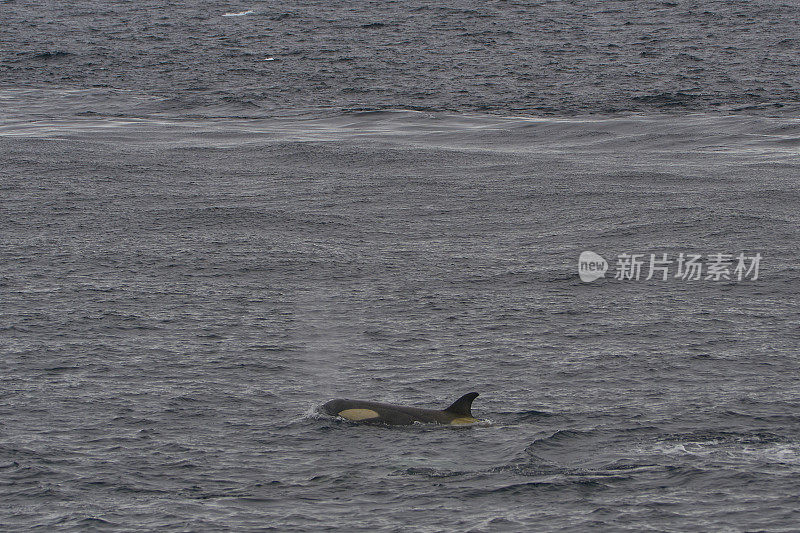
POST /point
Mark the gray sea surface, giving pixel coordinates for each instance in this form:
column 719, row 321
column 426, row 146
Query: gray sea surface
column 214, row 218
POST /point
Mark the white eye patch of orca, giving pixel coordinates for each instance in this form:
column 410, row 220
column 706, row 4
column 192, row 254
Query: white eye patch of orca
column 358, row 414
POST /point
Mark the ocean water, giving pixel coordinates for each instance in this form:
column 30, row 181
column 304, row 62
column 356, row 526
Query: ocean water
column 216, row 217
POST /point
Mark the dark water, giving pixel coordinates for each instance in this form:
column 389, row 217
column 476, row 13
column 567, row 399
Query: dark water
column 198, row 247
column 541, row 57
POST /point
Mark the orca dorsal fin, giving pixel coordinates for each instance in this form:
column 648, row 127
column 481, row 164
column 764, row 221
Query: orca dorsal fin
column 463, row 406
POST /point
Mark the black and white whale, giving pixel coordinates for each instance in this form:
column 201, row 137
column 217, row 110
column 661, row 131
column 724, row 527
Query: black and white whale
column 460, row 412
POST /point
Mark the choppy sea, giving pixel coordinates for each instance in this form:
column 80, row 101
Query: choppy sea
column 216, row 217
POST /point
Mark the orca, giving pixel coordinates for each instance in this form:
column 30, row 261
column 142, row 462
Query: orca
column 459, row 413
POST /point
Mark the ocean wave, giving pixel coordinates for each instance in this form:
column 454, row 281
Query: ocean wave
column 50, row 55
column 239, row 14
column 774, row 137
column 428, row 472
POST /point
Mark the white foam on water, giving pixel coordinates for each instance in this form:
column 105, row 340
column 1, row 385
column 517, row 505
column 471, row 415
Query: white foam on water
column 240, row 14
column 786, row 453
